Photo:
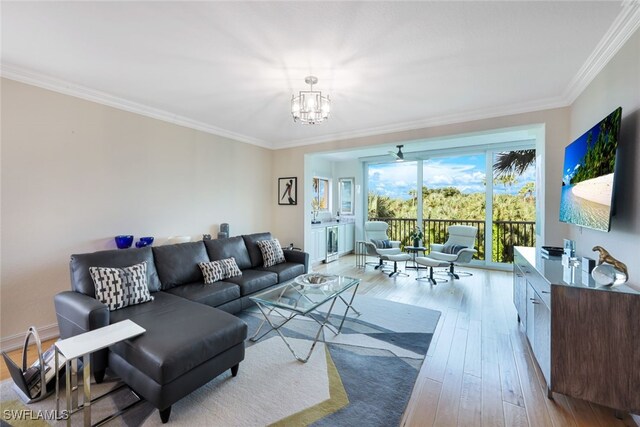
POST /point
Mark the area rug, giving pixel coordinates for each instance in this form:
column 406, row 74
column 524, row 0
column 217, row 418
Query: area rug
column 361, row 377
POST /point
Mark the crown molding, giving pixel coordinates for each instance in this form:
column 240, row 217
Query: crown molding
column 622, row 28
column 468, row 116
column 78, row 91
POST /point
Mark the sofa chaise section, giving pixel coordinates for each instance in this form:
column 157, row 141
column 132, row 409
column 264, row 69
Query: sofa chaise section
column 182, row 339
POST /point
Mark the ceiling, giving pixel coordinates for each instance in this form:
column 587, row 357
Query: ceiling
column 230, row 68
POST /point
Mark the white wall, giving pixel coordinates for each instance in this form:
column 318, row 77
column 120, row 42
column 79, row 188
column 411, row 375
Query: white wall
column 76, row 173
column 618, row 84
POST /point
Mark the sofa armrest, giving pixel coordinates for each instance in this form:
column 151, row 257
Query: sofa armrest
column 78, row 313
column 298, row 257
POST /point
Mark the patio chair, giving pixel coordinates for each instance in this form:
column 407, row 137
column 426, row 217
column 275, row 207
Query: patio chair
column 378, row 244
column 458, row 249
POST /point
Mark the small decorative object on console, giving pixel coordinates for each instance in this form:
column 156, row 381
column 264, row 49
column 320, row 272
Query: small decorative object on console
column 588, row 264
column 224, row 231
column 144, row 241
column 552, row 250
column 124, row 241
column 609, row 271
column 569, row 247
column 171, row 240
column 147, row 240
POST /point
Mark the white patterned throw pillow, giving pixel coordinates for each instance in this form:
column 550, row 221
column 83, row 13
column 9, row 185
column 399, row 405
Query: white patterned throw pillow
column 121, row 287
column 271, row 252
column 215, row 271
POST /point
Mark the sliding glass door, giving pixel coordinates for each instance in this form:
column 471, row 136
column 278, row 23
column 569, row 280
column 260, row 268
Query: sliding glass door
column 490, row 189
column 392, row 197
column 454, row 193
column 513, row 202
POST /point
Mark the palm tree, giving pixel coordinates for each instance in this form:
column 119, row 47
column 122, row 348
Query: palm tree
column 513, row 162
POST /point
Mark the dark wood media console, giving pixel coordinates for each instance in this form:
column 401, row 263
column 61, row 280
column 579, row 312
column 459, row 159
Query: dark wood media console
column 586, row 339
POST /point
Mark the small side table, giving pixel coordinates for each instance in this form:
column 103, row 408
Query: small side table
column 413, row 250
column 361, row 254
column 82, row 346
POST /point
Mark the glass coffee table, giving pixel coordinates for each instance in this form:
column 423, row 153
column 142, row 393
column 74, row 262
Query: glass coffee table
column 302, row 297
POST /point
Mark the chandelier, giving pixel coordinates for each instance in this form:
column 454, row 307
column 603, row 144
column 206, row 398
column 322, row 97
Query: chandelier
column 310, row 107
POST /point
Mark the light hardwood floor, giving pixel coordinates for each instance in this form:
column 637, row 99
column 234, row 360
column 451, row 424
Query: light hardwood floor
column 479, row 370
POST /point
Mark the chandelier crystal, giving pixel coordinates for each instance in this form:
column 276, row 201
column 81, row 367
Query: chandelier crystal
column 310, row 107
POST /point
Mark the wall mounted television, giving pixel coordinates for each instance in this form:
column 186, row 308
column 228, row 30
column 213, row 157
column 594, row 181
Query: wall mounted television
column 588, row 175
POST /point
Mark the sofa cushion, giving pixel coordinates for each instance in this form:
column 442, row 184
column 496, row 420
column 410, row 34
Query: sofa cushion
column 254, row 280
column 254, row 251
column 179, row 336
column 286, row 270
column 121, row 287
column 271, row 252
column 178, row 264
column 227, row 248
column 211, row 295
column 82, row 282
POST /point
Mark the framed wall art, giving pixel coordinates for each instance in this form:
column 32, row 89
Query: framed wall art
column 288, row 191
column 346, row 196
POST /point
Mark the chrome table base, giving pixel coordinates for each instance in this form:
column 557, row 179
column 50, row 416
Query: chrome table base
column 323, row 322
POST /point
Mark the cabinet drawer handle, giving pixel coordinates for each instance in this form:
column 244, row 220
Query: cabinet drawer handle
column 546, row 292
column 533, row 301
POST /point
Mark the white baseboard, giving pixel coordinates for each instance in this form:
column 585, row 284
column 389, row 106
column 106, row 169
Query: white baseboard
column 13, row 342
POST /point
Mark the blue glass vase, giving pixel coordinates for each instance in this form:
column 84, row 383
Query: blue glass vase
column 124, row 241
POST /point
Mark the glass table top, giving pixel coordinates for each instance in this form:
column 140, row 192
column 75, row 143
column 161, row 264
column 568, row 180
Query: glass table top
column 304, row 298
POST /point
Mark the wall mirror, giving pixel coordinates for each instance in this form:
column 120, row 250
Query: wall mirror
column 346, row 196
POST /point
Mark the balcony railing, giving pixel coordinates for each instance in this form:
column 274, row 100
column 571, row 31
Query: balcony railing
column 506, row 234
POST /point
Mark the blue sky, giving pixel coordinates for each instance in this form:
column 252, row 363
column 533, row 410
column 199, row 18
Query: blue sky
column 574, row 153
column 466, row 173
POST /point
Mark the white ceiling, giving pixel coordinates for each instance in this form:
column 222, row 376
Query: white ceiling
column 230, row 67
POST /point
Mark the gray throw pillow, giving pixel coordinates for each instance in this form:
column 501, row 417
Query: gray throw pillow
column 453, row 249
column 381, row 244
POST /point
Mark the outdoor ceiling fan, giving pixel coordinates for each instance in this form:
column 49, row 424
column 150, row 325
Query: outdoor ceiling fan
column 399, row 156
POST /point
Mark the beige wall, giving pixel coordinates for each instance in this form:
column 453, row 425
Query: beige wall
column 289, row 221
column 76, row 173
column 618, row 84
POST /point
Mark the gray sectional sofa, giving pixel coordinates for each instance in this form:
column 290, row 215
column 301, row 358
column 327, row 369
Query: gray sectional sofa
column 191, row 334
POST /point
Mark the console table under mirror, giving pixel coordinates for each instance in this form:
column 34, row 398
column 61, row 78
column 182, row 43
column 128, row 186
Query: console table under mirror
column 584, row 337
